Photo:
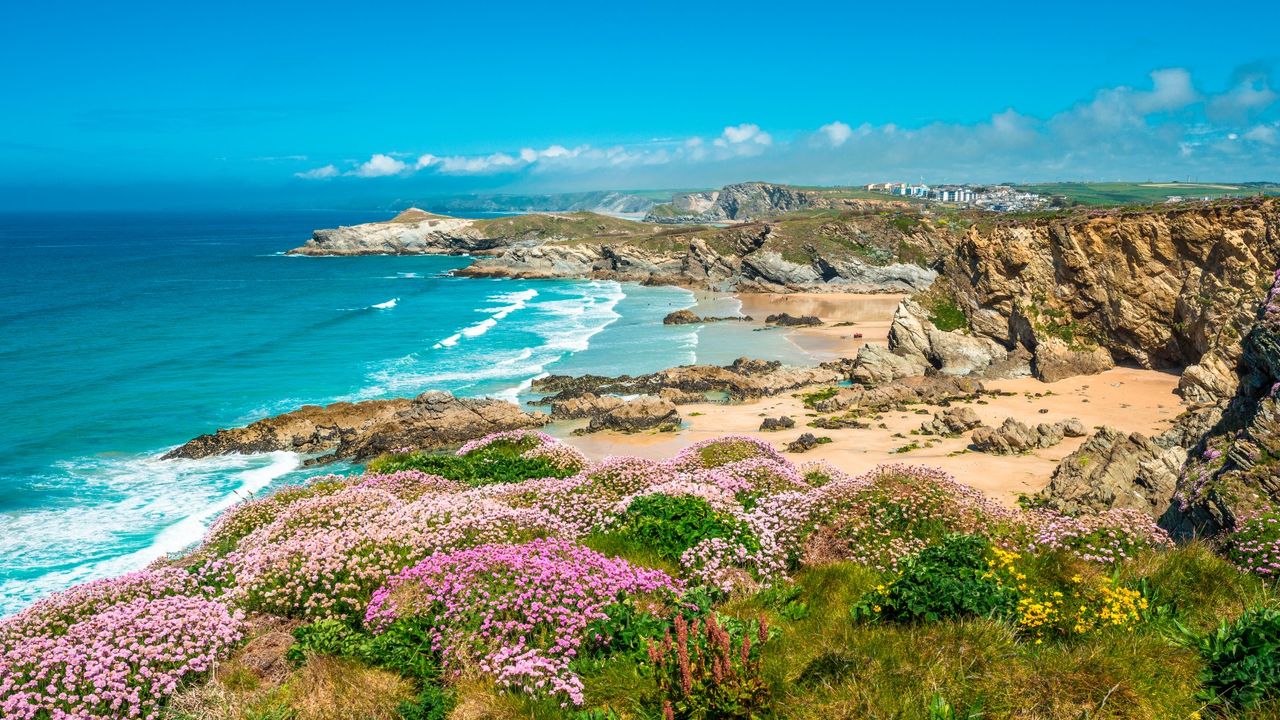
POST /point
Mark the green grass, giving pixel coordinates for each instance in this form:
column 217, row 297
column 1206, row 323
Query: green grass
column 1127, row 193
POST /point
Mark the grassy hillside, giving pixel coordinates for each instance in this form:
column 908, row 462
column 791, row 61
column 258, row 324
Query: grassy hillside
column 515, row 579
column 562, row 225
column 1119, row 193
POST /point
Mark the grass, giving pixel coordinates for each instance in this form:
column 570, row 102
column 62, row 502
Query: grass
column 1128, row 193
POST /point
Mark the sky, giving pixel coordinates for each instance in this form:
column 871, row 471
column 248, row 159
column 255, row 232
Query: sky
column 317, row 104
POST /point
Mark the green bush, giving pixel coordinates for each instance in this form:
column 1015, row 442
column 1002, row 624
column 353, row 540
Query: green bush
column 1242, row 660
column 497, row 462
column 669, row 525
column 405, row 647
column 948, row 580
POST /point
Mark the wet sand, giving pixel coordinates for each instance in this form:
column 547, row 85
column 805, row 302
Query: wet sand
column 1129, row 399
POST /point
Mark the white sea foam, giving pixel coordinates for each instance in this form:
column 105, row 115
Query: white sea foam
column 386, row 305
column 514, row 301
column 171, row 501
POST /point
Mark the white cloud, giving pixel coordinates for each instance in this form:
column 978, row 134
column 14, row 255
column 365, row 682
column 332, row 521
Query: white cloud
column 320, row 173
column 1166, row 129
column 1265, row 134
column 380, row 165
column 837, row 133
column 1251, row 95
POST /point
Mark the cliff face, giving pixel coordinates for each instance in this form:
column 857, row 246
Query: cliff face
column 1164, row 288
column 751, row 257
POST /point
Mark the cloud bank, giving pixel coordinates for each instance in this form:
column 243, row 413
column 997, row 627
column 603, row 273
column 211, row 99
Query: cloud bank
column 1167, row 129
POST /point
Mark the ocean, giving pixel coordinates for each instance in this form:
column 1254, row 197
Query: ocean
column 123, row 335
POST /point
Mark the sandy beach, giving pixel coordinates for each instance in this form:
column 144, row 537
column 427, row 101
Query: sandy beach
column 1129, row 399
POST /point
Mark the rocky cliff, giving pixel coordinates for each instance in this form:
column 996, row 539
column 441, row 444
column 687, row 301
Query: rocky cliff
column 417, row 232
column 1157, row 287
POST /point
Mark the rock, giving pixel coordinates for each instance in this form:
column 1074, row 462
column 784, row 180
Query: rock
column 644, row 413
column 914, row 337
column 680, row 397
column 806, row 442
column 1114, row 469
column 779, row 423
column 687, row 317
column 366, row 429
column 951, row 422
column 930, row 390
column 681, row 317
column 584, row 406
column 1014, row 437
column 743, row 379
column 876, row 364
column 788, row 320
column 1054, row 360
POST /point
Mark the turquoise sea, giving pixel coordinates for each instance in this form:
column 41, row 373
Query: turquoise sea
column 124, row 335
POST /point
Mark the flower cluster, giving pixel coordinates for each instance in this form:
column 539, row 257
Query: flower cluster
column 894, row 511
column 541, row 445
column 723, row 451
column 409, row 485
column 1254, row 544
column 122, row 662
column 516, row 612
column 1083, row 605
column 1271, row 308
column 1105, row 537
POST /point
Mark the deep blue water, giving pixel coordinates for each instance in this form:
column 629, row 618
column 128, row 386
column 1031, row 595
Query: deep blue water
column 124, row 335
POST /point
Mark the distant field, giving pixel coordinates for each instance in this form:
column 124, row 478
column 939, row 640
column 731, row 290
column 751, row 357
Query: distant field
column 1132, row 193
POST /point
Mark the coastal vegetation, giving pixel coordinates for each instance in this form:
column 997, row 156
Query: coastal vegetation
column 514, row 578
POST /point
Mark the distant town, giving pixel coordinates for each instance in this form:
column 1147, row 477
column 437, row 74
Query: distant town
column 1011, row 198
column 997, row 198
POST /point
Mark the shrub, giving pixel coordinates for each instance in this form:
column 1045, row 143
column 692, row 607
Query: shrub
column 1242, row 660
column 671, row 524
column 702, row 673
column 948, row 580
column 1105, row 537
column 518, row 613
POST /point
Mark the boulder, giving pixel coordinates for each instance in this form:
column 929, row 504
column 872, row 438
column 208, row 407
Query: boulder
column 876, row 364
column 584, row 406
column 644, row 413
column 778, row 423
column 1014, row 437
column 806, row 442
column 1115, row 469
column 788, row 320
column 1055, row 360
column 688, row 317
column 951, row 422
column 362, row 430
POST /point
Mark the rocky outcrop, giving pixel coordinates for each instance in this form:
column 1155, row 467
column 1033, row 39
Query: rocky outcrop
column 913, row 336
column 789, row 320
column 362, row 430
column 951, row 422
column 741, row 380
column 806, row 442
column 1157, row 287
column 1055, row 360
column 932, row 390
column 778, row 423
column 734, row 203
column 1114, row 469
column 644, row 413
column 688, row 317
column 878, row 364
column 1014, row 437
column 417, row 232
column 584, row 406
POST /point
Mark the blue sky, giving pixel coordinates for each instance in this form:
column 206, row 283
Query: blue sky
column 295, row 104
